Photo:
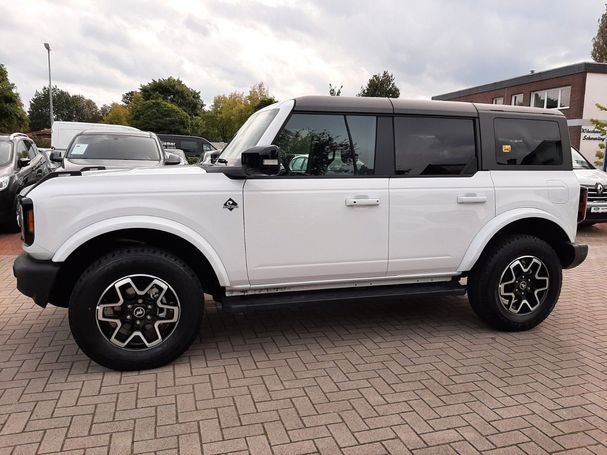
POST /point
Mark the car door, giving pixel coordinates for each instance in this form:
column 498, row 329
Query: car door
column 37, row 162
column 329, row 223
column 438, row 199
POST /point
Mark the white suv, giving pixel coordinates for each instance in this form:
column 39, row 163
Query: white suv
column 397, row 198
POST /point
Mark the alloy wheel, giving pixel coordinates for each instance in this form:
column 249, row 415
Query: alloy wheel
column 523, row 285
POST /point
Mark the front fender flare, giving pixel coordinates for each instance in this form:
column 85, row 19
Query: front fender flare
column 143, row 222
column 482, row 238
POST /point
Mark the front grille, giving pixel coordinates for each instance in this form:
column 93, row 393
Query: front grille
column 594, row 196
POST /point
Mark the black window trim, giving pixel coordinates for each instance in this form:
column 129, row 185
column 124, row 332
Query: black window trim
column 477, row 146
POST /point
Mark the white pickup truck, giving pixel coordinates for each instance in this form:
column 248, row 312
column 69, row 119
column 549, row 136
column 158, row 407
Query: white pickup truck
column 387, row 198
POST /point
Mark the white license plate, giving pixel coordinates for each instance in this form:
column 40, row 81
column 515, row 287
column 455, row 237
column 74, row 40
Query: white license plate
column 598, row 209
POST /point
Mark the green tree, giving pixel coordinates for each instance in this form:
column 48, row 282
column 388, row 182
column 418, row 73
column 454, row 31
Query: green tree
column 174, row 91
column 335, row 91
column 12, row 115
column 381, row 85
column 66, row 107
column 117, row 114
column 599, row 42
column 601, row 126
column 160, row 116
column 129, row 96
column 259, row 97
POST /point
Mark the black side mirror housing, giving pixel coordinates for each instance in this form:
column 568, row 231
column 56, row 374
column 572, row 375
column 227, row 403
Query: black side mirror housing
column 23, row 162
column 171, row 159
column 56, row 157
column 261, row 160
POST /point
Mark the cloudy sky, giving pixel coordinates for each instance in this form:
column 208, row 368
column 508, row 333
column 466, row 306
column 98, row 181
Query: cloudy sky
column 103, row 49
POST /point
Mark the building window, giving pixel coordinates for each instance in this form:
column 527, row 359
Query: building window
column 517, row 100
column 555, row 98
column 498, row 100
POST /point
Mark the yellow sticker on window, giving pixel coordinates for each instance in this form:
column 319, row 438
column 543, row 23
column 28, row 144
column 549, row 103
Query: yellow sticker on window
column 506, row 148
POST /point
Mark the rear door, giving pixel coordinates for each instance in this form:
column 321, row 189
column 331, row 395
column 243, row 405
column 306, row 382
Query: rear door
column 438, row 199
column 327, row 222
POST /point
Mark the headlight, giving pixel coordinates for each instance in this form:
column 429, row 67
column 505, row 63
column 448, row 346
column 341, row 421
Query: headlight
column 4, row 182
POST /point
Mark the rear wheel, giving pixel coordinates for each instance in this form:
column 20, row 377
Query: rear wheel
column 136, row 308
column 516, row 285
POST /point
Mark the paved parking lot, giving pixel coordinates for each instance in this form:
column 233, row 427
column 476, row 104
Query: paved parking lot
column 420, row 375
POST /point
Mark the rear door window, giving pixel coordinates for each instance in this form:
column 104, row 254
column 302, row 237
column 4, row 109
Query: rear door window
column 432, row 146
column 522, row 142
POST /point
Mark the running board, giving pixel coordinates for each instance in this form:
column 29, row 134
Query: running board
column 270, row 300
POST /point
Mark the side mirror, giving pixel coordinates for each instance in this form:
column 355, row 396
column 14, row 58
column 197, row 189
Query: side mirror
column 23, row 162
column 261, row 160
column 56, row 157
column 171, row 159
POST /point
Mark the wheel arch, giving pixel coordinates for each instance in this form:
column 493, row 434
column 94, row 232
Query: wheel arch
column 539, row 224
column 75, row 258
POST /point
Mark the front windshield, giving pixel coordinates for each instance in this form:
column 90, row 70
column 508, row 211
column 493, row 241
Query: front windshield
column 114, row 147
column 6, row 152
column 579, row 162
column 249, row 134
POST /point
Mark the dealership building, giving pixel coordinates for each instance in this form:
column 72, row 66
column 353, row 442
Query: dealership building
column 574, row 89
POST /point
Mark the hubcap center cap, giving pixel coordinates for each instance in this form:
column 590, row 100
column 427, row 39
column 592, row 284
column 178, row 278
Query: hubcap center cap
column 139, row 312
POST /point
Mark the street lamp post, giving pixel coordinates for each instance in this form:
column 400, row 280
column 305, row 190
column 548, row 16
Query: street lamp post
column 50, row 88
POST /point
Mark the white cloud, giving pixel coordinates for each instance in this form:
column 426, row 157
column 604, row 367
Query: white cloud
column 103, row 49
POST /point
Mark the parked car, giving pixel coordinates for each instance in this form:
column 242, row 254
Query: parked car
column 452, row 198
column 595, row 181
column 193, row 146
column 62, row 133
column 21, row 164
column 113, row 150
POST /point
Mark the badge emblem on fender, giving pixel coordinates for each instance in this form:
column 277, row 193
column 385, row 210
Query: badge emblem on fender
column 230, row 204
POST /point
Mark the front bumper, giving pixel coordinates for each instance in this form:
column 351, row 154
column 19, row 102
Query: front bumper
column 575, row 254
column 35, row 279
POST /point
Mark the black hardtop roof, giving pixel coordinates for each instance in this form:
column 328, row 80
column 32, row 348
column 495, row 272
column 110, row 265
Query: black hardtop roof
column 368, row 105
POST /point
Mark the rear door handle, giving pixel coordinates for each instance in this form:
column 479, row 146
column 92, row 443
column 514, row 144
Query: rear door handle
column 471, row 199
column 359, row 201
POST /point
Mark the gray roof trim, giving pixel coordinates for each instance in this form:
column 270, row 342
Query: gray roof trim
column 343, row 104
column 584, row 67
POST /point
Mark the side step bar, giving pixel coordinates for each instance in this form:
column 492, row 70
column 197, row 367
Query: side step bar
column 271, row 300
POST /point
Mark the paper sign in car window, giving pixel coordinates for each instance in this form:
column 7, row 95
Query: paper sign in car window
column 506, row 148
column 79, row 149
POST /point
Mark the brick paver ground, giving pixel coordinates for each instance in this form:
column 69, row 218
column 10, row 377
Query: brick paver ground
column 420, row 375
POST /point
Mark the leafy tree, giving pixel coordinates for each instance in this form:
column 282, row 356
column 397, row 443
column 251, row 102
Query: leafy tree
column 381, row 85
column 117, row 114
column 259, row 97
column 601, row 126
column 128, row 96
column 599, row 42
column 66, row 107
column 160, row 116
column 173, row 91
column 12, row 115
column 335, row 91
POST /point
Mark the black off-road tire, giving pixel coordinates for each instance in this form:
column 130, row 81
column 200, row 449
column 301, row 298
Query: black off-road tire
column 484, row 279
column 99, row 276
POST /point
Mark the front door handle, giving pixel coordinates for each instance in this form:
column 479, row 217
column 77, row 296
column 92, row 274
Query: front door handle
column 471, row 199
column 358, row 201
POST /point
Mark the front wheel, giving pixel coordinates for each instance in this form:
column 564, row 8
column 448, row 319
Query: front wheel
column 516, row 285
column 136, row 308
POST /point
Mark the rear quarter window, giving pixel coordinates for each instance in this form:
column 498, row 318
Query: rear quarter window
column 523, row 142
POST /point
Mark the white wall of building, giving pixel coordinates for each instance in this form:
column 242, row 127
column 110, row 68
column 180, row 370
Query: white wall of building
column 596, row 92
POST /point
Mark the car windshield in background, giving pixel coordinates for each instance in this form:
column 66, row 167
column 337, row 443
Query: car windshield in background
column 113, row 147
column 579, row 162
column 6, row 153
column 249, row 134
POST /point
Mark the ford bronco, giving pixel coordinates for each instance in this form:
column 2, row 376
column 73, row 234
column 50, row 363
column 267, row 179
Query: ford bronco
column 387, row 198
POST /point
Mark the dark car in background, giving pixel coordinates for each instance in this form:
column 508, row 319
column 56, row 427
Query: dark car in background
column 193, row 146
column 21, row 165
column 114, row 150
